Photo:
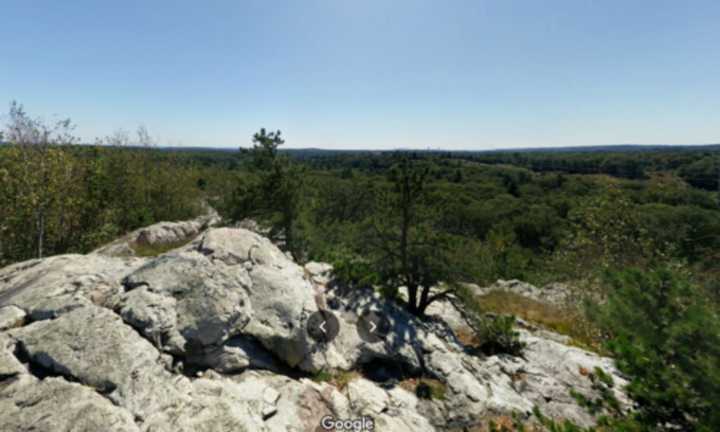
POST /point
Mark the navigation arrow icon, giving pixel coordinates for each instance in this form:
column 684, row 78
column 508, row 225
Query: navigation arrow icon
column 373, row 326
column 323, row 326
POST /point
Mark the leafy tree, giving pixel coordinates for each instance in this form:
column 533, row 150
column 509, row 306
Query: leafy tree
column 42, row 172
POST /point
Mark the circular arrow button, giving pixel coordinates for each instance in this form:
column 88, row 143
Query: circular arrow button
column 373, row 327
column 323, row 326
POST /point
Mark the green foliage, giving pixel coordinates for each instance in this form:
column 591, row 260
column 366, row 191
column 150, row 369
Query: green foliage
column 665, row 334
column 354, row 271
column 430, row 389
column 551, row 425
column 608, row 233
column 704, row 173
column 146, row 250
column 493, row 333
column 605, row 402
column 405, row 246
column 58, row 198
column 498, row 336
column 560, row 221
column 508, row 259
column 322, row 376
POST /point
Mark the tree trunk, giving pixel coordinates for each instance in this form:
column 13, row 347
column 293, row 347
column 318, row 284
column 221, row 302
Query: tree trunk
column 40, row 232
column 404, row 265
column 424, row 300
column 412, row 299
column 289, row 240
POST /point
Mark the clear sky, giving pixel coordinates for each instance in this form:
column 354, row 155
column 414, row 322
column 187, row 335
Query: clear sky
column 370, row 73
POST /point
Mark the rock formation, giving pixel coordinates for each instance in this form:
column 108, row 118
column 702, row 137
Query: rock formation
column 211, row 336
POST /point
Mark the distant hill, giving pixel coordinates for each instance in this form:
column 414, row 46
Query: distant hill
column 612, row 148
column 311, row 152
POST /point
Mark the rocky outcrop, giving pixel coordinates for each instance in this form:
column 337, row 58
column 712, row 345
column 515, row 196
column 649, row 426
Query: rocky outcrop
column 212, row 336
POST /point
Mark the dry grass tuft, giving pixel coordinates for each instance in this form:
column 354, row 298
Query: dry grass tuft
column 342, row 379
column 567, row 321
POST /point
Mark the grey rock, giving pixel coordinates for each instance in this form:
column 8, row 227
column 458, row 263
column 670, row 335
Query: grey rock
column 10, row 366
column 161, row 233
column 319, row 273
column 53, row 404
column 228, row 283
column 396, row 409
column 555, row 294
column 366, row 398
column 187, row 295
column 219, row 405
column 121, row 329
column 236, row 355
column 46, row 288
column 153, row 314
column 280, row 296
column 92, row 345
column 293, row 405
column 11, row 317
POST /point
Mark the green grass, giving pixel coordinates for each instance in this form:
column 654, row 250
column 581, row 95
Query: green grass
column 146, row 250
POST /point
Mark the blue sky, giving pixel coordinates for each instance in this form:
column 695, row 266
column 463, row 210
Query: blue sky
column 370, row 73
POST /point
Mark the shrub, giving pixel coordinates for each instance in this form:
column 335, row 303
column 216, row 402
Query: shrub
column 497, row 336
column 495, row 333
column 353, row 271
column 430, row 389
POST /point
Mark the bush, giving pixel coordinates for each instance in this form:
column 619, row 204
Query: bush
column 494, row 333
column 353, row 271
column 497, row 336
column 430, row 389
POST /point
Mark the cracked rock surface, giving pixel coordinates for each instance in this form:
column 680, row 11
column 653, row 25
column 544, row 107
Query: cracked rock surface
column 212, row 337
